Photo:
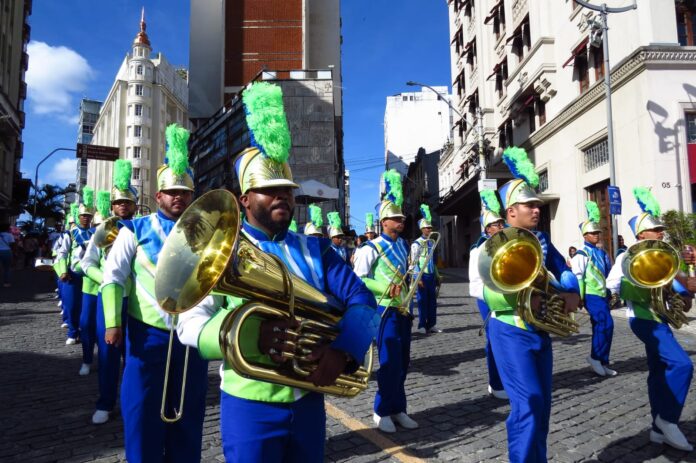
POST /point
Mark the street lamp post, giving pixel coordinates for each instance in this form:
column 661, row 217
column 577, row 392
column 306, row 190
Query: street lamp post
column 604, row 11
column 36, row 179
column 479, row 126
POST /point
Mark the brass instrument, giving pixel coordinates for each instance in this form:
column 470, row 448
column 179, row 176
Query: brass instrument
column 206, row 254
column 511, row 261
column 653, row 264
column 106, row 232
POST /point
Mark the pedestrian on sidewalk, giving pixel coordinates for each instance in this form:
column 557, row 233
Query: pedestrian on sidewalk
column 7, row 248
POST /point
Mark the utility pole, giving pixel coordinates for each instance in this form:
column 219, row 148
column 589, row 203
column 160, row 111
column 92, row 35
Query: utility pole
column 604, row 11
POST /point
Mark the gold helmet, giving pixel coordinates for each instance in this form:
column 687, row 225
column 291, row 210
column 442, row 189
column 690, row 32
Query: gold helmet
column 335, row 226
column 87, row 205
column 591, row 225
column 427, row 220
column 393, row 196
column 175, row 173
column 519, row 190
column 649, row 219
column 316, row 221
column 490, row 208
column 122, row 189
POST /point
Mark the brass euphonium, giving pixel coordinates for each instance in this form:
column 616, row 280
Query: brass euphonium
column 106, row 232
column 653, row 264
column 205, row 253
column 511, row 261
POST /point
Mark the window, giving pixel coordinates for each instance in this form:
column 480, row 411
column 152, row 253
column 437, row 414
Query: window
column 136, row 152
column 541, row 110
column 136, row 173
column 87, row 129
column 582, row 71
column 531, row 117
column 686, row 23
column 543, row 181
column 138, row 131
column 521, row 39
column 139, row 69
column 496, row 17
column 139, row 89
column 138, row 110
column 598, row 62
column 405, row 98
column 691, row 127
column 596, row 155
column 501, row 75
column 505, row 138
column 470, row 51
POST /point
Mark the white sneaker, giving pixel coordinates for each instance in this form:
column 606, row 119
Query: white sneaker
column 434, row 330
column 70, row 341
column 404, row 420
column 672, row 435
column 423, row 330
column 60, row 304
column 100, row 417
column 609, row 371
column 64, row 325
column 84, row 369
column 597, row 366
column 384, row 423
column 501, row 394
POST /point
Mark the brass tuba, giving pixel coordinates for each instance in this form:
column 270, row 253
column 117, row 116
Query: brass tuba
column 653, row 264
column 511, row 261
column 106, row 232
column 206, row 254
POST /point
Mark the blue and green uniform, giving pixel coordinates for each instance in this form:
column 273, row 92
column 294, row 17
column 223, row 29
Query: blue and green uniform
column 377, row 264
column 134, row 254
column 670, row 367
column 267, row 422
column 68, row 261
column 525, row 361
column 88, row 312
column 427, row 294
column 591, row 266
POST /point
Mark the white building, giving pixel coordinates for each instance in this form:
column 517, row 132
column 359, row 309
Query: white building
column 147, row 95
column 534, row 69
column 415, row 120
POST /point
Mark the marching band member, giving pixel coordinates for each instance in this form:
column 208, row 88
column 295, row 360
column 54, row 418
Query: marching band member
column 336, row 234
column 591, row 266
column 491, row 223
column 370, row 227
column 316, row 221
column 262, row 421
column 134, row 254
column 670, row 368
column 57, row 264
column 68, row 263
column 382, row 265
column 122, row 202
column 522, row 352
column 90, row 291
column 427, row 286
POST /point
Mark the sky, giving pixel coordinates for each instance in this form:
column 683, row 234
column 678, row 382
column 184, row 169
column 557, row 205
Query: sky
column 77, row 47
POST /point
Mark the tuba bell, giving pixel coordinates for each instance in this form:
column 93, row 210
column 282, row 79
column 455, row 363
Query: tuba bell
column 511, row 261
column 653, row 264
column 106, row 232
column 205, row 253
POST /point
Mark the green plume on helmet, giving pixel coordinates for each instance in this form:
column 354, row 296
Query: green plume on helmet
column 293, row 225
column 592, row 211
column 521, row 167
column 88, row 196
column 369, row 219
column 104, row 203
column 123, row 170
column 315, row 215
column 647, row 201
column 425, row 212
column 394, row 189
column 177, row 148
column 265, row 117
column 490, row 201
column 74, row 209
column 334, row 219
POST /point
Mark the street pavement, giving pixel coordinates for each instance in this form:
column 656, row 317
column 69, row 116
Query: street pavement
column 45, row 407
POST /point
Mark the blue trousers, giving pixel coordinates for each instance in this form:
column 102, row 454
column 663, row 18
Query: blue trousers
column 72, row 303
column 63, row 312
column 494, row 380
column 525, row 362
column 427, row 302
column 6, row 264
column 109, row 359
column 88, row 327
column 148, row 439
column 670, row 369
column 602, row 327
column 394, row 346
column 273, row 432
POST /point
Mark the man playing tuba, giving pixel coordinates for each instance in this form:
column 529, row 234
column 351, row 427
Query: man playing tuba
column 523, row 351
column 259, row 420
column 670, row 368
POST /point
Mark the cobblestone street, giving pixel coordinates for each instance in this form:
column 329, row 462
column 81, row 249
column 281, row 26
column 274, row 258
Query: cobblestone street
column 46, row 407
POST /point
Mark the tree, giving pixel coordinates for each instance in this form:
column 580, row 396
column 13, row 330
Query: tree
column 49, row 204
column 680, row 228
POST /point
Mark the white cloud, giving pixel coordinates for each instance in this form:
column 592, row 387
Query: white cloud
column 55, row 74
column 64, row 171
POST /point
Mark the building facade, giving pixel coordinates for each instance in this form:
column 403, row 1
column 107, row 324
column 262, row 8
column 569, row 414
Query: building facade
column 14, row 61
column 147, row 95
column 414, row 121
column 536, row 70
column 89, row 113
column 421, row 186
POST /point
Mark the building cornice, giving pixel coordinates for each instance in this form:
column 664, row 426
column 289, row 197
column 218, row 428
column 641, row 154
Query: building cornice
column 647, row 57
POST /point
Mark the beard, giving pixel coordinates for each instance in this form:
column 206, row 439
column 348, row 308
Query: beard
column 265, row 217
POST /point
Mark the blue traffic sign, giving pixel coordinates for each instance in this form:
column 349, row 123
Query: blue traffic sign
column 614, row 200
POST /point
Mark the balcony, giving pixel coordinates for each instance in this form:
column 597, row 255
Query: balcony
column 538, row 68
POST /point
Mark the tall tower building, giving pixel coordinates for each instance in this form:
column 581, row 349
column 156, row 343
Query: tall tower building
column 89, row 113
column 147, row 95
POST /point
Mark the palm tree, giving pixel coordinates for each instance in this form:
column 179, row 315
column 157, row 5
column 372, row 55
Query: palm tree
column 46, row 203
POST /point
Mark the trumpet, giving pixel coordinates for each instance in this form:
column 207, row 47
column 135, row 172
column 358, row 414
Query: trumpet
column 511, row 262
column 206, row 254
column 653, row 264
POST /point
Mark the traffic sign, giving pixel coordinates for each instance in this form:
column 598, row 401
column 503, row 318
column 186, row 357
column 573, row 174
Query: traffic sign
column 98, row 152
column 487, row 184
column 614, row 200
